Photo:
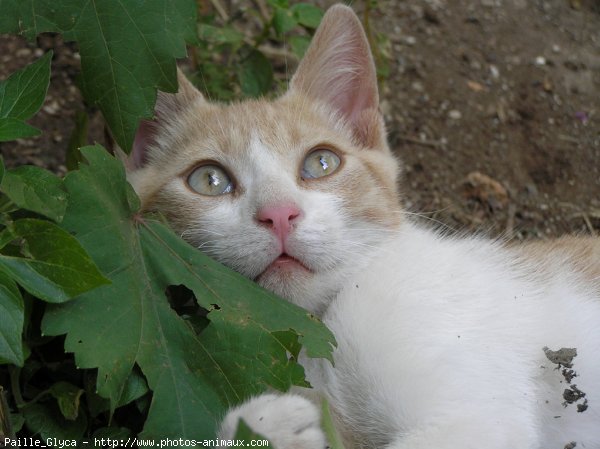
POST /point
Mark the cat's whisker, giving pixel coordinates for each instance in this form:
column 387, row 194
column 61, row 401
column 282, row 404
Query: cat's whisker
column 285, row 62
column 375, row 231
column 366, row 245
column 205, row 85
column 206, row 247
column 204, row 231
column 433, row 220
column 223, row 132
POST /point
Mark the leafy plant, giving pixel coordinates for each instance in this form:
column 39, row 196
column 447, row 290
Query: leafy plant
column 128, row 49
column 231, row 64
column 110, row 325
column 21, row 96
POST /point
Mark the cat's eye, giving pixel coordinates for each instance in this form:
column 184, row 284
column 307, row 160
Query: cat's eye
column 319, row 163
column 210, row 180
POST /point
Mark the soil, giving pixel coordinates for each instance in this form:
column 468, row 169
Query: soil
column 492, row 106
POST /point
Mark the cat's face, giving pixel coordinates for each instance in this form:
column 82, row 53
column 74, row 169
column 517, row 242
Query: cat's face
column 291, row 193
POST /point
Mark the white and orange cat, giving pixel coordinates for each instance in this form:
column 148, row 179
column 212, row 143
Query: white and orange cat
column 440, row 339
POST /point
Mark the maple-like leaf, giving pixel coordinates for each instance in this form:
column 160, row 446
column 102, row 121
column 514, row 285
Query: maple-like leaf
column 128, row 49
column 21, row 96
column 252, row 338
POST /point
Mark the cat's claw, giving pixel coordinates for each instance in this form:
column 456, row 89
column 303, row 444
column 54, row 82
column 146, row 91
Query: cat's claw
column 288, row 421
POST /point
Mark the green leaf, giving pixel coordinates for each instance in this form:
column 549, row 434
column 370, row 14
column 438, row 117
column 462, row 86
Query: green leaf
column 255, row 75
column 23, row 93
column 219, row 35
column 299, row 45
column 11, row 322
column 8, row 420
column 37, row 190
column 279, row 3
column 47, row 421
column 50, row 263
column 77, row 140
column 13, row 128
column 21, row 96
column 128, row 49
column 135, row 388
column 194, row 378
column 17, row 421
column 216, row 83
column 283, row 20
column 308, row 15
column 68, row 398
column 333, row 437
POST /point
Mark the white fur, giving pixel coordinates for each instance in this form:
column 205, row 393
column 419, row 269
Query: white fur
column 440, row 346
column 456, row 360
column 291, row 421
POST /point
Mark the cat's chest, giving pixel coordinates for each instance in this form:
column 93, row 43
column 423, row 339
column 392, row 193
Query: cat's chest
column 412, row 327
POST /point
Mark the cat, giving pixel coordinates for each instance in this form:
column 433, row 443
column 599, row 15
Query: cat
column 440, row 339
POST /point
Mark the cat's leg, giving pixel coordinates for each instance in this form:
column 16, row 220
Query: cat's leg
column 288, row 421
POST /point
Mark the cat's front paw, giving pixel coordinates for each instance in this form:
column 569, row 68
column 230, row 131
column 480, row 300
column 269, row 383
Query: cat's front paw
column 288, row 421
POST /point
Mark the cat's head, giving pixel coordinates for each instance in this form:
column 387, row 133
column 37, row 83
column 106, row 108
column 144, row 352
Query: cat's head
column 293, row 193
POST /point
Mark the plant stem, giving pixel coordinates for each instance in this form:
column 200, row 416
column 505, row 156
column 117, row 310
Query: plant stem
column 331, row 432
column 15, row 374
column 6, row 430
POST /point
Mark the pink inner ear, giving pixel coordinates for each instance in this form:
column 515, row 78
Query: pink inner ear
column 144, row 137
column 349, row 84
column 338, row 69
column 352, row 102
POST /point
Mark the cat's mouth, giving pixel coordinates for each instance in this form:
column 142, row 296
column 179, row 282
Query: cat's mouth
column 284, row 264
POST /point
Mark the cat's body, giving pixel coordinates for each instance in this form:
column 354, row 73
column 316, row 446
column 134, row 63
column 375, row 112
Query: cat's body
column 440, row 340
column 417, row 378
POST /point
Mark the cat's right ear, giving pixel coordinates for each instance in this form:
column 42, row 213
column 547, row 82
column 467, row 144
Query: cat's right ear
column 338, row 70
column 166, row 112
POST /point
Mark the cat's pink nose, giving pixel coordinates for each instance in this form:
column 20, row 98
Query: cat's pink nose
column 279, row 218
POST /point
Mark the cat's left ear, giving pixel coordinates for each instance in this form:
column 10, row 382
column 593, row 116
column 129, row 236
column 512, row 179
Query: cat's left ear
column 166, row 112
column 338, row 69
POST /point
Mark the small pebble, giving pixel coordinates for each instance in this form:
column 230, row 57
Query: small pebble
column 51, row 108
column 540, row 61
column 454, row 114
column 410, row 40
column 417, row 86
column 494, row 71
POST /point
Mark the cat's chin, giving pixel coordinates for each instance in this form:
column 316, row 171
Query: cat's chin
column 287, row 277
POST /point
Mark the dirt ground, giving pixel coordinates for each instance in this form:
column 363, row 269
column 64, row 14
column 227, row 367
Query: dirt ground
column 492, row 105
